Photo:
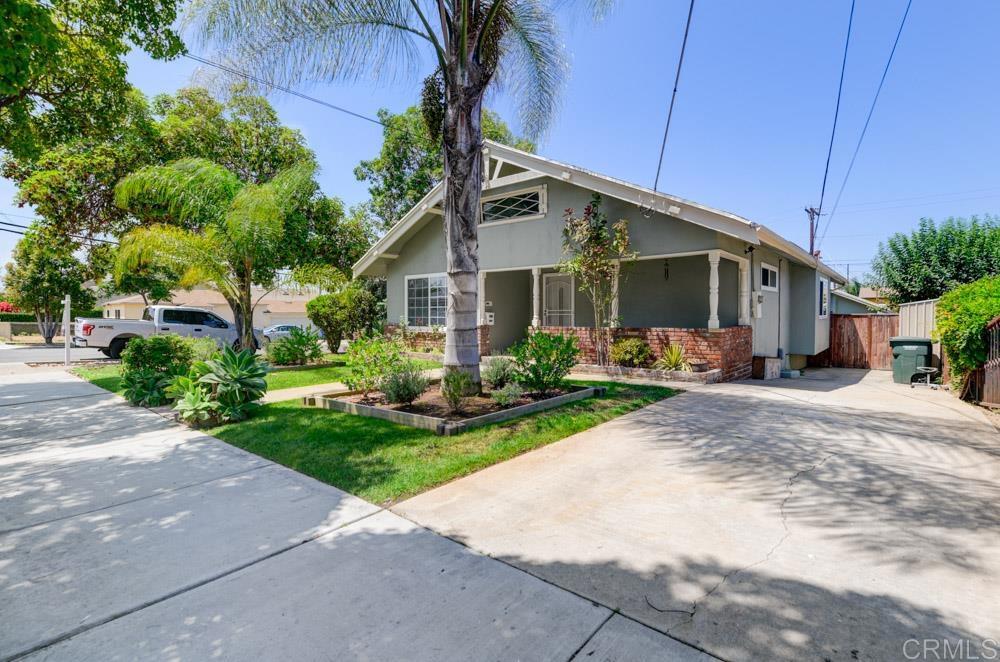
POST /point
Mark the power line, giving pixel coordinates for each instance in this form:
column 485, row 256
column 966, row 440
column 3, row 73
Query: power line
column 74, row 236
column 868, row 119
column 815, row 213
column 673, row 96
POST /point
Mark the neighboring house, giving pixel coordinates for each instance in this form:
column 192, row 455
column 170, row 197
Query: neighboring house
column 874, row 295
column 723, row 287
column 277, row 307
column 844, row 303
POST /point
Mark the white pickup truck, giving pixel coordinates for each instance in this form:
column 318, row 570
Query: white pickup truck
column 110, row 335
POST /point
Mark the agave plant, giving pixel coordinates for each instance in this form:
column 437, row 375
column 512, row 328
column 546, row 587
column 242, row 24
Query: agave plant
column 145, row 388
column 195, row 408
column 673, row 359
column 236, row 380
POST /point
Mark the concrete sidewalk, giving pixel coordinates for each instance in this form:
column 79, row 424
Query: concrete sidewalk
column 124, row 536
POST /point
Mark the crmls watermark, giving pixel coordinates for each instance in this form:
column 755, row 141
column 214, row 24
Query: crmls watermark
column 951, row 649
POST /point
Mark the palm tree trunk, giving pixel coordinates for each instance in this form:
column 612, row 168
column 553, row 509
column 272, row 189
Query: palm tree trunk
column 246, row 306
column 463, row 140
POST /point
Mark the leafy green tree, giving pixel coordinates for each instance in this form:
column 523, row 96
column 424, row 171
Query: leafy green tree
column 351, row 311
column 936, row 258
column 62, row 68
column 475, row 44
column 962, row 316
column 240, row 228
column 410, row 162
column 42, row 271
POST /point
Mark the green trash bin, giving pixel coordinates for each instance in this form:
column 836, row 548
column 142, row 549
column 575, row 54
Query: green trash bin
column 908, row 354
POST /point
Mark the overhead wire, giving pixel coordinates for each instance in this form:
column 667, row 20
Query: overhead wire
column 673, row 96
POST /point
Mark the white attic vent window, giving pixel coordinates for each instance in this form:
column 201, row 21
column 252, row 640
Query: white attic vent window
column 516, row 205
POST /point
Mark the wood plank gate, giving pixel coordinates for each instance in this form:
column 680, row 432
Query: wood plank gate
column 991, row 369
column 862, row 341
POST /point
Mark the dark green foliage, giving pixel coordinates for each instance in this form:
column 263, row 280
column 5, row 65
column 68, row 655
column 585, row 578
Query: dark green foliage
column 235, row 381
column 499, row 372
column 962, row 316
column 345, row 314
column 936, row 258
column 404, row 383
column 543, row 360
column 631, row 353
column 145, row 388
column 299, row 347
column 167, row 354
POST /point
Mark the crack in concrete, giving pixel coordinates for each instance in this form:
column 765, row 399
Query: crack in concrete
column 789, row 489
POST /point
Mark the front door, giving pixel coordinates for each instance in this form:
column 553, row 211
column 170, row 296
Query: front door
column 558, row 300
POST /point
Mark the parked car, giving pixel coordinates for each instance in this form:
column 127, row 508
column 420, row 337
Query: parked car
column 111, row 335
column 276, row 331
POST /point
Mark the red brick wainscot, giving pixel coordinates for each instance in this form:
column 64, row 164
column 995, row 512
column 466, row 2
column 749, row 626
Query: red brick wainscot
column 421, row 341
column 729, row 349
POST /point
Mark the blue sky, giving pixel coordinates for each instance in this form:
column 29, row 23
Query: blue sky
column 753, row 114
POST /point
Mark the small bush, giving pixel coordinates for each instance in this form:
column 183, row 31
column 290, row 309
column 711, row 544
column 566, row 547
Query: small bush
column 543, row 360
column 299, row 347
column 499, row 372
column 404, row 383
column 369, row 360
column 234, row 381
column 509, row 395
column 631, row 353
column 203, row 349
column 456, row 386
column 145, row 388
column 195, row 407
column 962, row 316
column 344, row 314
column 673, row 359
column 165, row 354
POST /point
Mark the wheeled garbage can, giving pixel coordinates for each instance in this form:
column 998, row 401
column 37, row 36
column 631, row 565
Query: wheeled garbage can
column 908, row 354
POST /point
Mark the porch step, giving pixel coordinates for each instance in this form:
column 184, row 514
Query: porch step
column 793, row 374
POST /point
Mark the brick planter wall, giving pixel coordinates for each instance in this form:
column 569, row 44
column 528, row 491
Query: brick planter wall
column 419, row 341
column 729, row 349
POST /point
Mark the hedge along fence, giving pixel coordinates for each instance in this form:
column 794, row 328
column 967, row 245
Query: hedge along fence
column 30, row 317
column 962, row 317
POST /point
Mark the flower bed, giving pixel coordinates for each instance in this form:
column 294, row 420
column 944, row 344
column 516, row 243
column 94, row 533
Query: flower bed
column 431, row 412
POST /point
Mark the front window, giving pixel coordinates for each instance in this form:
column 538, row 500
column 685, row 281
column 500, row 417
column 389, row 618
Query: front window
column 516, row 205
column 426, row 300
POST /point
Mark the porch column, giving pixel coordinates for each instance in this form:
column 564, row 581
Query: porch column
column 744, row 293
column 481, row 300
column 536, row 297
column 614, row 301
column 713, row 289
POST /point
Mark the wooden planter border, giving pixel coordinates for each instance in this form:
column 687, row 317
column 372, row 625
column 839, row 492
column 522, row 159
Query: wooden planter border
column 712, row 376
column 442, row 426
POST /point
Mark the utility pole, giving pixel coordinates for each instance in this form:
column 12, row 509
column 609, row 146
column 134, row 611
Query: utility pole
column 813, row 214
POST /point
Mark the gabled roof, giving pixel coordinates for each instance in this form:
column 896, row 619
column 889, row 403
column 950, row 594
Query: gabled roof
column 856, row 299
column 647, row 199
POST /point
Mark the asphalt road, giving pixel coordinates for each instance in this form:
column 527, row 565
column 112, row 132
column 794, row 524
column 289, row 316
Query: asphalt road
column 31, row 353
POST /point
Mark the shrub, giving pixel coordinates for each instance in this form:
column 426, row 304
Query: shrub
column 7, row 307
column 673, row 359
column 508, row 395
column 145, row 388
column 368, row 361
column 499, row 372
column 543, row 360
column 404, row 383
column 195, row 407
column 235, row 382
column 297, row 348
column 165, row 354
column 456, row 386
column 962, row 316
column 203, row 349
column 344, row 314
column 631, row 353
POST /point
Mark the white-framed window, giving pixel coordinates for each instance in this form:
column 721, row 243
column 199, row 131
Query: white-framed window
column 426, row 299
column 522, row 205
column 824, row 297
column 768, row 277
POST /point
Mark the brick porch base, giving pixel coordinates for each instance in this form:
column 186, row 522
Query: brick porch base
column 419, row 341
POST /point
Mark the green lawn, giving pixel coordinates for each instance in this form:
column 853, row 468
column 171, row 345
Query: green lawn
column 384, row 462
column 109, row 376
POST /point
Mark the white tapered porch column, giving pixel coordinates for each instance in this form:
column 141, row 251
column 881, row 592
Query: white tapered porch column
column 713, row 289
column 744, row 293
column 536, row 297
column 481, row 300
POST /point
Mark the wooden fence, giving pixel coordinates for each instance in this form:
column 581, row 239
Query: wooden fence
column 862, row 341
column 990, row 385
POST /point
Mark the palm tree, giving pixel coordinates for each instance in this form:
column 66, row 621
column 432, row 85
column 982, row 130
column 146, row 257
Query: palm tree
column 228, row 234
column 474, row 43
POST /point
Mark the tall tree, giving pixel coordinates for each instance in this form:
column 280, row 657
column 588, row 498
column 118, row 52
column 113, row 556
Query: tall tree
column 410, row 162
column 933, row 259
column 42, row 271
column 62, row 67
column 241, row 228
column 473, row 42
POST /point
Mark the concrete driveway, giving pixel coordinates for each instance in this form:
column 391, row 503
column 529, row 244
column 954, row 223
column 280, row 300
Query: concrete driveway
column 123, row 536
column 832, row 517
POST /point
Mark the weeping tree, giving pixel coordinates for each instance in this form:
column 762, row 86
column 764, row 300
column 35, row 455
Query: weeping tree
column 228, row 234
column 474, row 44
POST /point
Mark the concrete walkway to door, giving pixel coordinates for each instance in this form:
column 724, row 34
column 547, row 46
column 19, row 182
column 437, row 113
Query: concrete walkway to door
column 837, row 517
column 123, row 536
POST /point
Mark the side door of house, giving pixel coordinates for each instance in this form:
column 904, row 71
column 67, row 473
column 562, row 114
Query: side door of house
column 557, row 300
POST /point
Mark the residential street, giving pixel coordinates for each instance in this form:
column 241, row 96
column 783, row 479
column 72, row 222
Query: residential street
column 831, row 517
column 123, row 536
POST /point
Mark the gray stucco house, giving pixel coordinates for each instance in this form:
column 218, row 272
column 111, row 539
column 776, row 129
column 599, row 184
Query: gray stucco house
column 724, row 287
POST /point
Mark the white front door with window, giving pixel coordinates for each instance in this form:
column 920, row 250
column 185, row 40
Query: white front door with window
column 557, row 300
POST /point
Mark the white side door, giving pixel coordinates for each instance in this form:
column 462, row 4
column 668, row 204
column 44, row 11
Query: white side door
column 557, row 300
